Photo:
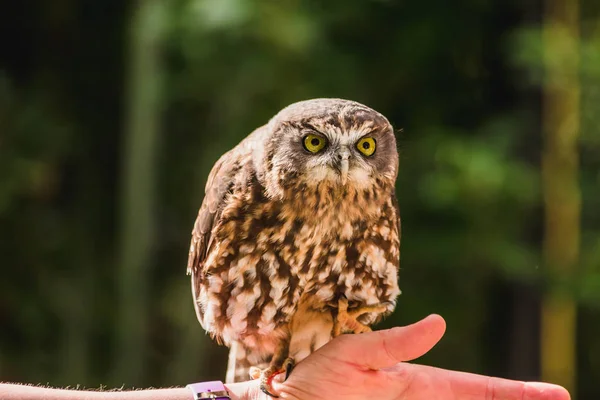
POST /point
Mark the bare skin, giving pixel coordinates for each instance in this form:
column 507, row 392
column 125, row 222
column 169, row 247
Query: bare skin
column 368, row 365
column 373, row 365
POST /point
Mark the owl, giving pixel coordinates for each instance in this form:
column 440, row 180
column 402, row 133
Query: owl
column 298, row 237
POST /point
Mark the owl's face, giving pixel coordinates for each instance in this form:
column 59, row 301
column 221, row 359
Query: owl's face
column 337, row 142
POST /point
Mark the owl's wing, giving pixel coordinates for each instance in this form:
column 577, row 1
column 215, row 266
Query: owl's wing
column 230, row 170
column 220, row 181
column 398, row 219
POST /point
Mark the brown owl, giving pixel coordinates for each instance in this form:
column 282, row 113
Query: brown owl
column 298, row 237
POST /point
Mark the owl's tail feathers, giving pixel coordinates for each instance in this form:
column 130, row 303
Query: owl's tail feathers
column 240, row 361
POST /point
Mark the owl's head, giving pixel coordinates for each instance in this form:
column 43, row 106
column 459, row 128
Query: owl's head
column 332, row 142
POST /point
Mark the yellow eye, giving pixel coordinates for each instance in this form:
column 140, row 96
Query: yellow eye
column 366, row 146
column 314, row 143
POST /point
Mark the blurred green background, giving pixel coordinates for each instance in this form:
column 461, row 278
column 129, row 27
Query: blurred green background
column 112, row 113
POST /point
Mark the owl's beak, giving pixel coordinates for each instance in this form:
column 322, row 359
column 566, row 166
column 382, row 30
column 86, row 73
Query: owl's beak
column 344, row 166
column 344, row 170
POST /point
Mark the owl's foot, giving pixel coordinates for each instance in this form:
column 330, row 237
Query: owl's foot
column 347, row 321
column 266, row 376
column 266, row 379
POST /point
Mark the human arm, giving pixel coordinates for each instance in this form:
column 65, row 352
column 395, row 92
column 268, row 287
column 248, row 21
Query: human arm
column 369, row 365
column 8, row 391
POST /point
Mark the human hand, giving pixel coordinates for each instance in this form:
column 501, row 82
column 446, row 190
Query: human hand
column 365, row 366
column 372, row 366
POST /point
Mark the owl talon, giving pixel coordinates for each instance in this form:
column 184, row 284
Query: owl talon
column 266, row 379
column 264, row 389
column 289, row 365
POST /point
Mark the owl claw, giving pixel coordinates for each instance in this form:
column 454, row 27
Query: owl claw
column 266, row 379
column 266, row 376
column 266, row 391
column 289, row 365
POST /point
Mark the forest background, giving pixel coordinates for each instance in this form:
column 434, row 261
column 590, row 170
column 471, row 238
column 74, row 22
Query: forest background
column 113, row 112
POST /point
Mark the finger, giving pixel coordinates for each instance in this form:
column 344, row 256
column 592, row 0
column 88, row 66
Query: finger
column 444, row 384
column 381, row 349
column 503, row 389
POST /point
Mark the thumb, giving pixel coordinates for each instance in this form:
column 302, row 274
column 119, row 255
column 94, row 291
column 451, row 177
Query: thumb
column 382, row 349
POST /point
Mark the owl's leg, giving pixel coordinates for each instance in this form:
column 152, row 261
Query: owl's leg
column 309, row 328
column 347, row 321
column 279, row 363
column 241, row 361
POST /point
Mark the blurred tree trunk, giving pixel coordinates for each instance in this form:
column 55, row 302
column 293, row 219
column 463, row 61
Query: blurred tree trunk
column 560, row 168
column 138, row 190
column 70, row 297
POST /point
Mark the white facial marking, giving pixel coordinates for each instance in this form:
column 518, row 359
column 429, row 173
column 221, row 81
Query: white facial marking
column 360, row 177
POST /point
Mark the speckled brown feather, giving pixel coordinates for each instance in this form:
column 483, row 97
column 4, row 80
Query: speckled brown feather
column 275, row 228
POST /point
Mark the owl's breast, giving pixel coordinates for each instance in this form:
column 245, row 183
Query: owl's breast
column 364, row 270
column 250, row 288
column 266, row 255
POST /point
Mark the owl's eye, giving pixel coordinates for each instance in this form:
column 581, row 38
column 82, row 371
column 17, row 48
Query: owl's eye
column 366, row 146
column 314, row 143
